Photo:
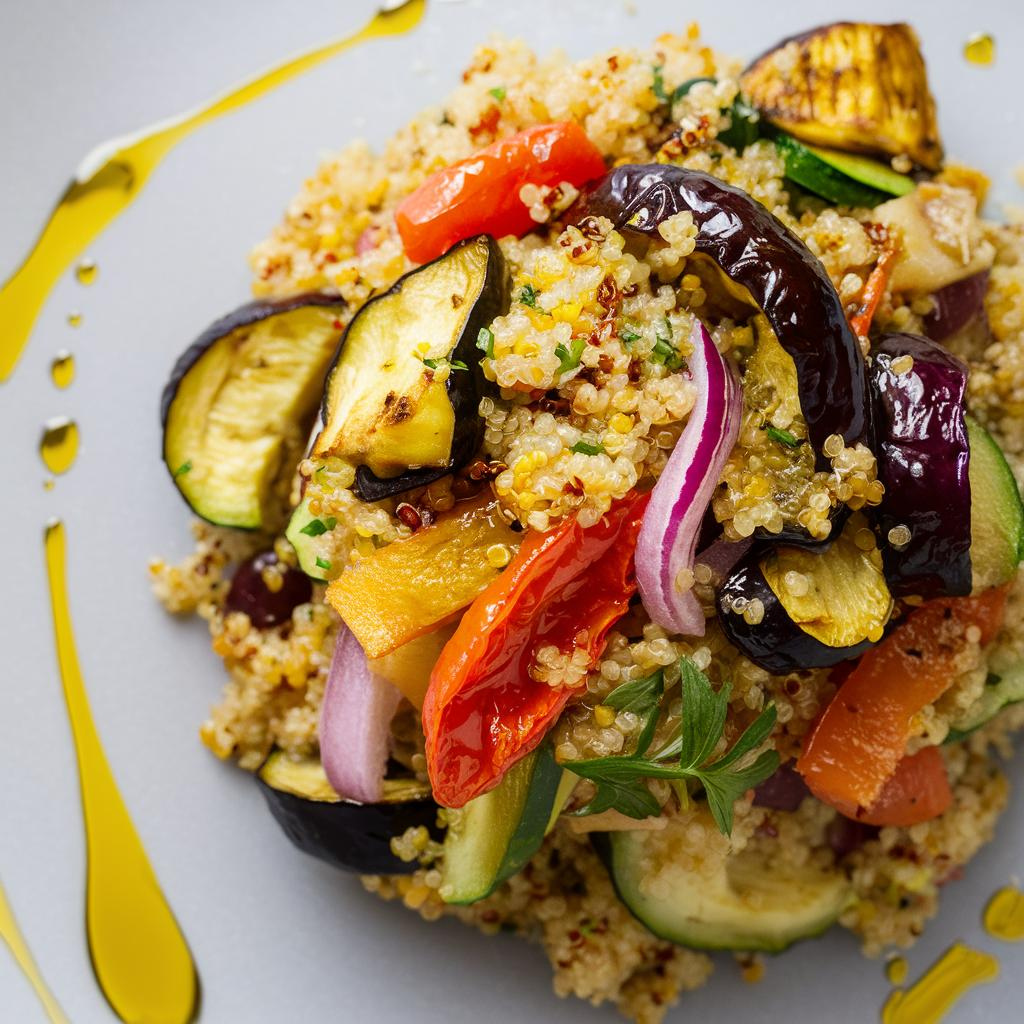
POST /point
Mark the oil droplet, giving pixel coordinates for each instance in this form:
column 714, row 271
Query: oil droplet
column 11, row 934
column 1004, row 915
column 980, row 49
column 59, row 444
column 49, row 483
column 896, row 970
column 926, row 1001
column 62, row 369
column 140, row 957
column 74, row 320
column 113, row 175
column 86, row 272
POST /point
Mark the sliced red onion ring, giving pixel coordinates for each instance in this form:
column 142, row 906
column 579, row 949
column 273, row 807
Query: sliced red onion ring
column 956, row 305
column 355, row 723
column 668, row 536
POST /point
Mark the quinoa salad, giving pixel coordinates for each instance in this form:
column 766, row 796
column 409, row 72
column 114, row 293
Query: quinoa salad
column 608, row 513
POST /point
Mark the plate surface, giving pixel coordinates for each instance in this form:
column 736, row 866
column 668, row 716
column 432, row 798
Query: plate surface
column 277, row 936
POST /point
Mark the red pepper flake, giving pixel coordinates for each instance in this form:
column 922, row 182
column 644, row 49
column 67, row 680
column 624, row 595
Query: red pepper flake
column 488, row 123
column 408, row 515
column 337, row 324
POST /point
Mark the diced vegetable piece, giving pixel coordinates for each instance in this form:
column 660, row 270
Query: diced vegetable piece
column 489, row 704
column 414, row 586
column 735, row 902
column 402, row 395
column 918, row 790
column 494, row 835
column 817, row 607
column 783, row 791
column 997, row 515
column 481, row 193
column 1000, row 691
column 850, row 85
column 352, row 836
column 408, row 667
column 842, row 178
column 302, row 536
column 921, row 445
column 239, row 403
column 267, row 605
column 956, row 306
column 860, row 738
column 767, row 265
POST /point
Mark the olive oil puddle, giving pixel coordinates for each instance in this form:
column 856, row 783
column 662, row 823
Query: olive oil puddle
column 62, row 369
column 112, row 176
column 1004, row 915
column 980, row 49
column 11, row 934
column 58, row 447
column 926, row 1001
column 140, row 957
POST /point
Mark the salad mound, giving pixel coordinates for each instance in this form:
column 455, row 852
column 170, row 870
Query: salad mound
column 609, row 509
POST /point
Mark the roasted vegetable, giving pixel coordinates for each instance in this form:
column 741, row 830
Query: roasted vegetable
column 352, row 836
column 815, row 607
column 238, row 406
column 853, row 86
column 408, row 667
column 414, row 586
column 1001, row 691
column 267, row 590
column 768, row 266
column 402, row 396
column 956, row 306
column 921, row 445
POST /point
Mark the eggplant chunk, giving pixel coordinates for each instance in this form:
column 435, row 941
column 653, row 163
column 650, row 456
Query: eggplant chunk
column 239, row 403
column 768, row 267
column 820, row 606
column 352, row 836
column 851, row 85
column 402, row 396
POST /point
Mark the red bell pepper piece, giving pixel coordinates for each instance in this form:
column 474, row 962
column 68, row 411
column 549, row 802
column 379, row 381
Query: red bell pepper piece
column 566, row 587
column 481, row 193
column 917, row 791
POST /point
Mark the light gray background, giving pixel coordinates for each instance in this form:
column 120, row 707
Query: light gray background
column 277, row 936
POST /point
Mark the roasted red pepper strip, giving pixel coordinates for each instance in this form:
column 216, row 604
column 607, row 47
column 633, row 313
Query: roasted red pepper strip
column 565, row 588
column 874, row 287
column 917, row 791
column 481, row 193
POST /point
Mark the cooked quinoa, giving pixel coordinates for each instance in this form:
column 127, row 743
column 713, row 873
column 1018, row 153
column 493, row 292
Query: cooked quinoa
column 569, row 437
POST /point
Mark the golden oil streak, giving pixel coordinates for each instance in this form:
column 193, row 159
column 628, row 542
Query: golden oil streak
column 11, row 934
column 926, row 1001
column 139, row 955
column 88, row 206
column 1004, row 915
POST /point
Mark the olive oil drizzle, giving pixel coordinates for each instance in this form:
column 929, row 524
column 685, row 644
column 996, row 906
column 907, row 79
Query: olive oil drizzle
column 1004, row 915
column 11, row 934
column 58, row 447
column 113, row 175
column 62, row 369
column 926, row 1001
column 139, row 955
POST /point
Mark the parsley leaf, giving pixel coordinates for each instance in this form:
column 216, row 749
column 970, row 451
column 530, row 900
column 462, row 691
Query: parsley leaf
column 681, row 90
column 498, row 92
column 586, row 448
column 485, row 342
column 783, row 437
column 316, row 527
column 658, row 87
column 570, row 357
column 528, row 296
column 628, row 334
column 322, row 563
column 431, row 364
column 457, row 364
column 664, row 351
column 638, row 695
column 184, row 468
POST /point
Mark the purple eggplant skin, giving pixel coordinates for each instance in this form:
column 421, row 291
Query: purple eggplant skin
column 956, row 306
column 783, row 791
column 776, row 643
column 763, row 256
column 923, row 458
column 267, row 608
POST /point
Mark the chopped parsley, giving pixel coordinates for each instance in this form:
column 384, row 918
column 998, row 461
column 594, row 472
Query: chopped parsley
column 485, row 342
column 498, row 92
column 184, row 468
column 664, row 351
column 628, row 334
column 622, row 780
column 452, row 364
column 570, row 357
column 658, row 86
column 528, row 296
column 316, row 527
column 681, row 90
column 322, row 563
column 783, row 437
column 586, row 448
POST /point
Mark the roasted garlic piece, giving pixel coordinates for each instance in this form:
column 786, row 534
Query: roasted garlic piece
column 852, row 86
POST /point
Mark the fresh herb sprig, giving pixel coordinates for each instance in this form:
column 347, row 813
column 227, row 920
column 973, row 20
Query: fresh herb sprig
column 569, row 357
column 783, row 437
column 622, row 780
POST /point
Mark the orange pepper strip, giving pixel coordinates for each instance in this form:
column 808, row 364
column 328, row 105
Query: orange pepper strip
column 484, row 710
column 874, row 288
column 860, row 738
column 917, row 791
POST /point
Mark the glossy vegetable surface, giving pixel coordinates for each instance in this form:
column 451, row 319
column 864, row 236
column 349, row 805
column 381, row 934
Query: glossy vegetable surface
column 266, row 606
column 769, row 265
column 403, row 393
column 956, row 305
column 923, row 459
column 239, row 402
column 352, row 836
column 668, row 537
column 481, row 193
column 861, row 737
column 565, row 589
column 918, row 790
column 413, row 586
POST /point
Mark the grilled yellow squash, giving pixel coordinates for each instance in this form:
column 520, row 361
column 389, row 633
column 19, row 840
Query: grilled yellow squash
column 852, row 86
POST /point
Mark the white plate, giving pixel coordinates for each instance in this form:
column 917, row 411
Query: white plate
column 277, row 936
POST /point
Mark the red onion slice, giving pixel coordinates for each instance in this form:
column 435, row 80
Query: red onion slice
column 668, row 537
column 355, row 723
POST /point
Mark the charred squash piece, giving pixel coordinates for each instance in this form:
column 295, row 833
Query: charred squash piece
column 239, row 404
column 402, row 396
column 853, row 86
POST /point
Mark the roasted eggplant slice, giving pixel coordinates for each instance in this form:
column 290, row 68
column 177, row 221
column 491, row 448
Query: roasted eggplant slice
column 853, row 86
column 402, row 396
column 238, row 406
column 766, row 266
column 352, row 836
column 788, row 608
